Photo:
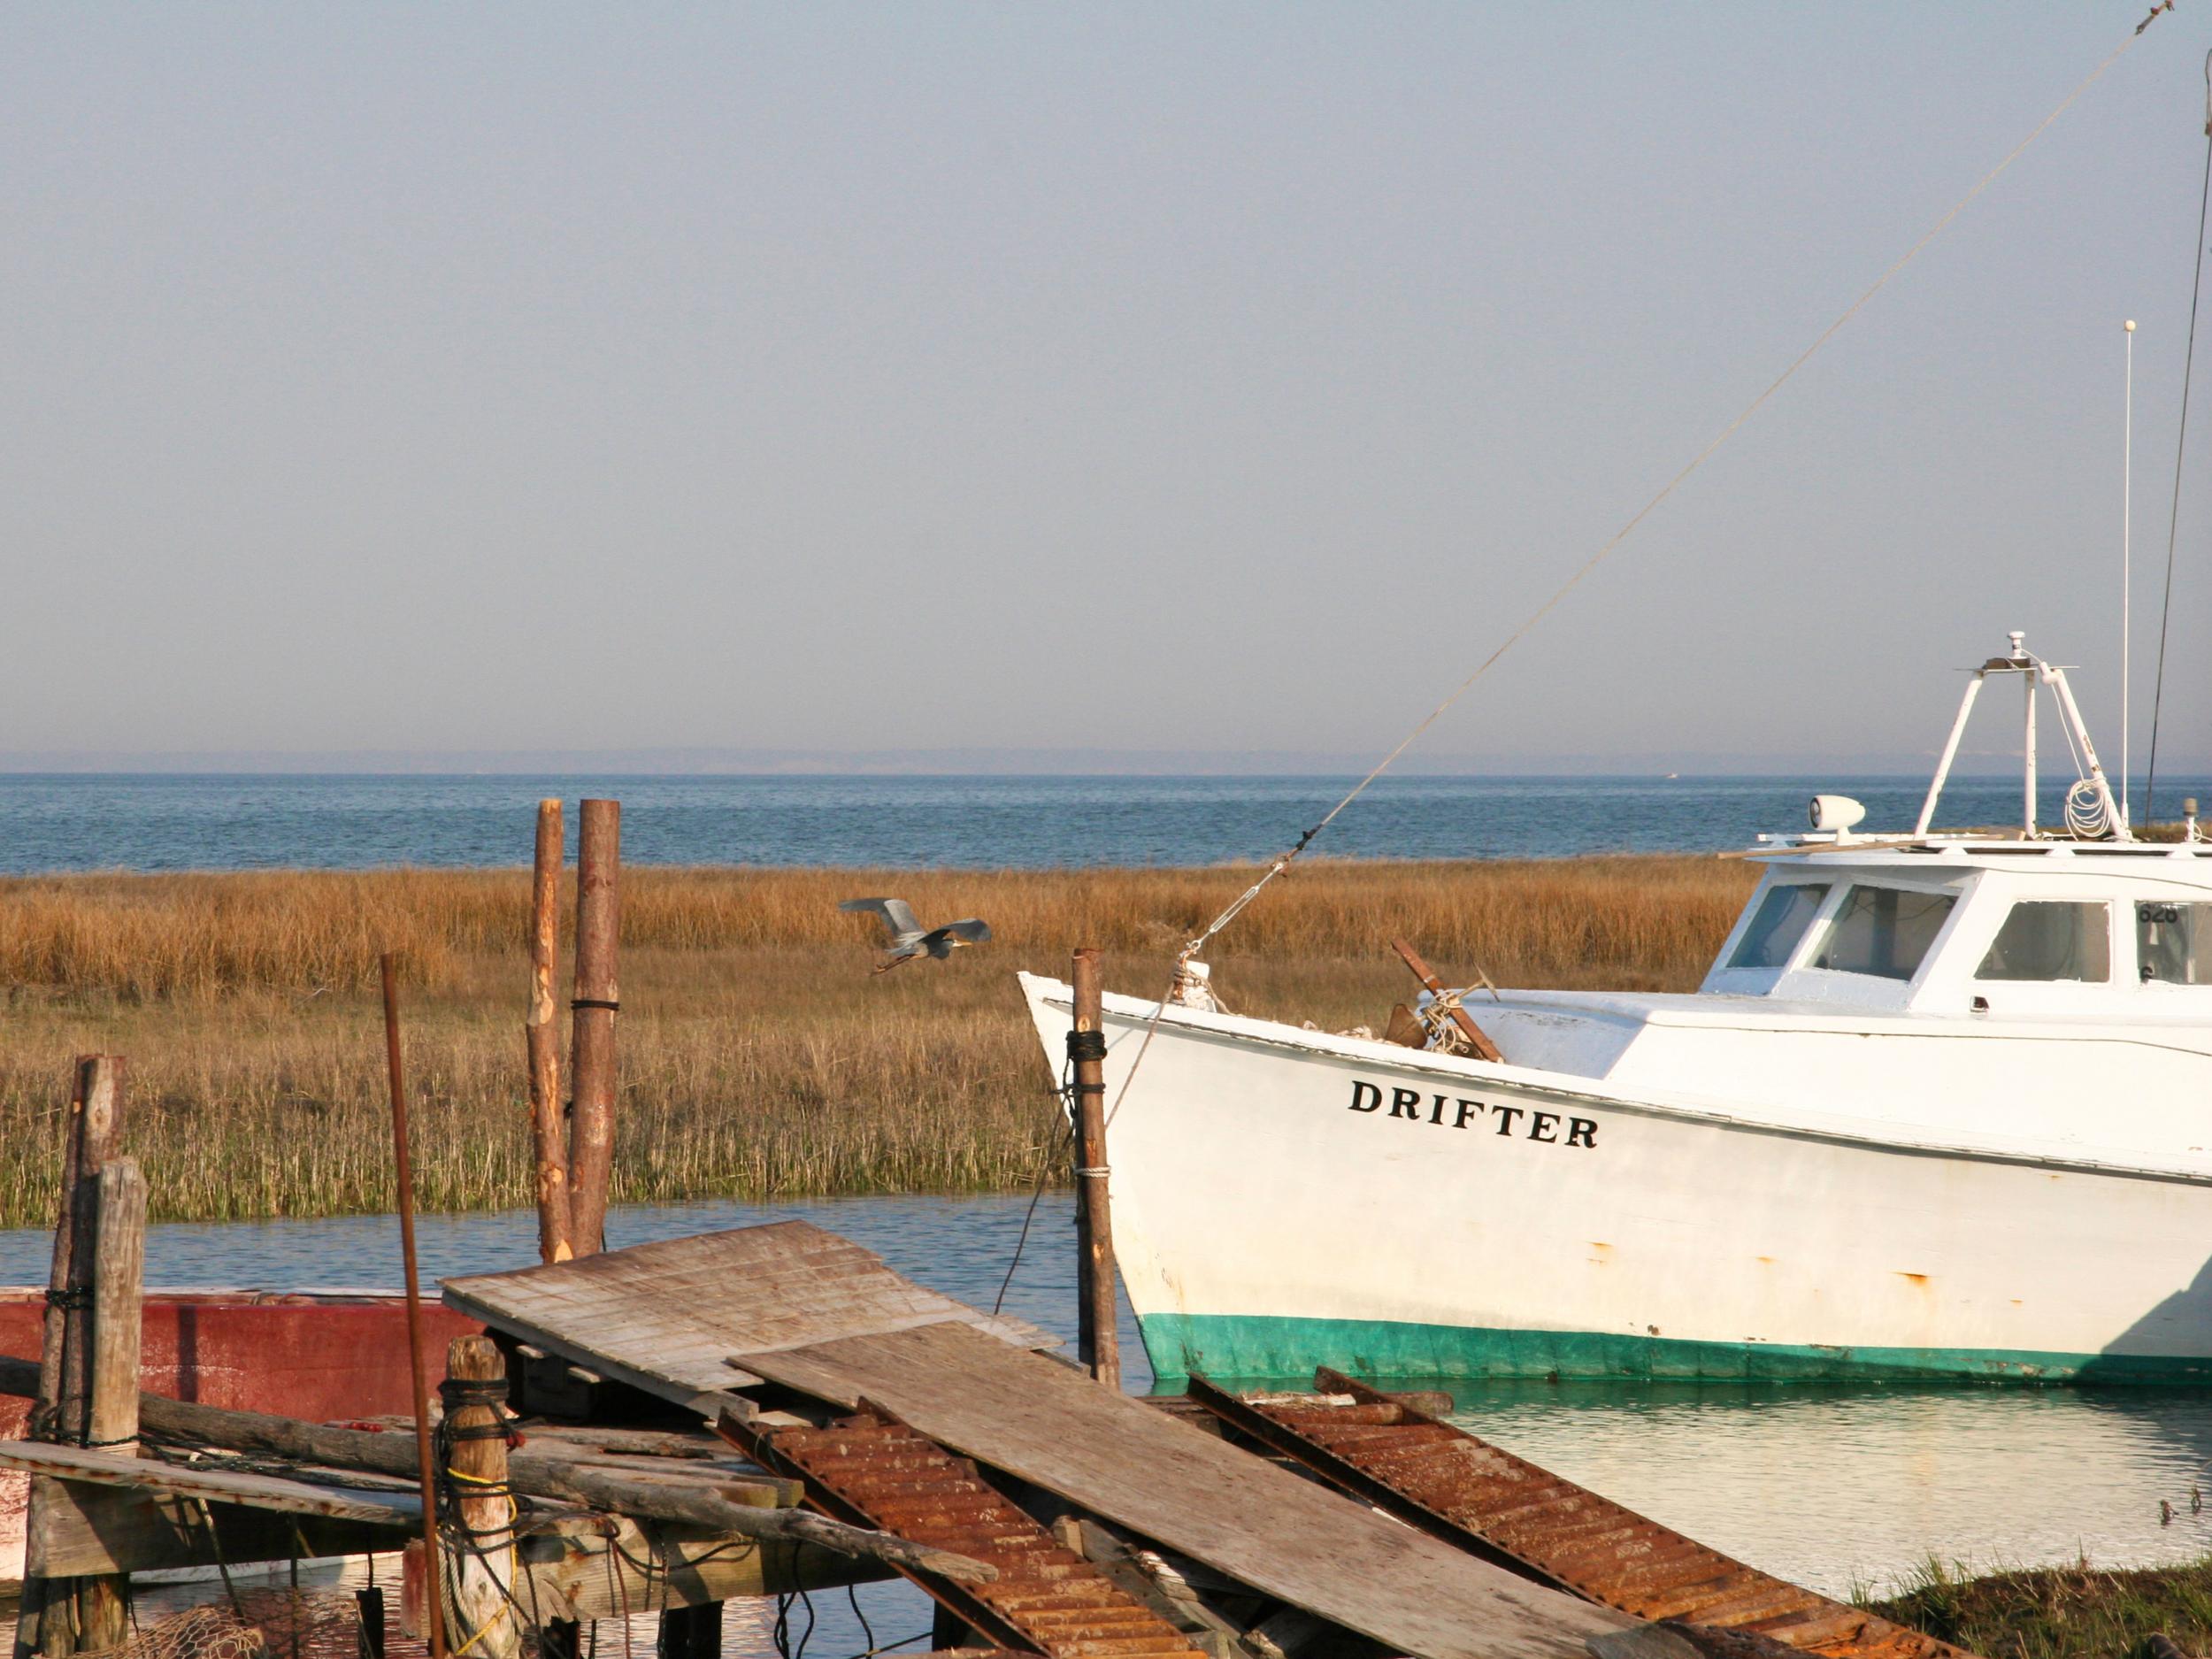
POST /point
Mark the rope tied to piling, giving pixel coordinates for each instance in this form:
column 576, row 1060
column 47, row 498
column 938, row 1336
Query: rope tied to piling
column 459, row 1393
column 1084, row 1048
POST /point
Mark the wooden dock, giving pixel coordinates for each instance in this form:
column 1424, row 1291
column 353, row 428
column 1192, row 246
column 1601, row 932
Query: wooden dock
column 771, row 1408
column 1354, row 1518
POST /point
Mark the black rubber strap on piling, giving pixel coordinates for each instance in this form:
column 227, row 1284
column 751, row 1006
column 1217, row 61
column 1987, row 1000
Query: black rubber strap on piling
column 594, row 1001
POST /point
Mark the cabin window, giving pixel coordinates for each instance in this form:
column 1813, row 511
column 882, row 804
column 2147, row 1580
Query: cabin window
column 1883, row 930
column 2049, row 939
column 2173, row 942
column 1776, row 925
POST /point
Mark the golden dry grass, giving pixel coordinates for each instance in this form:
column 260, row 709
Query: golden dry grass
column 759, row 1056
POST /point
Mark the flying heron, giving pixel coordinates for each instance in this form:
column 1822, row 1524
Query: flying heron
column 909, row 939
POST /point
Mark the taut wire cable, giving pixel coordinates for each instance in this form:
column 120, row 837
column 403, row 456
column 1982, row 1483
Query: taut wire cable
column 2173, row 519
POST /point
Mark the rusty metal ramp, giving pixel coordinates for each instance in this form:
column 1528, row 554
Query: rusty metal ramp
column 1248, row 1519
column 1463, row 1490
column 876, row 1471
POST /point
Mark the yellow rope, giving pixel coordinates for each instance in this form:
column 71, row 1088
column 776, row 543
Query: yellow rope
column 514, row 1563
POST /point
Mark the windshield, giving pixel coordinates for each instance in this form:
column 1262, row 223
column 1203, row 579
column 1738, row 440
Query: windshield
column 1776, row 925
column 1883, row 930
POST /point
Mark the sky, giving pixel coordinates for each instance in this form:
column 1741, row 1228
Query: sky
column 402, row 381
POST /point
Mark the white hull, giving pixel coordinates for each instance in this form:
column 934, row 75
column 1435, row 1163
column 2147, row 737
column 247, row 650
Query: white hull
column 1271, row 1213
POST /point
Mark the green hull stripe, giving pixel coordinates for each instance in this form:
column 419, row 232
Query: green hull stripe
column 1258, row 1346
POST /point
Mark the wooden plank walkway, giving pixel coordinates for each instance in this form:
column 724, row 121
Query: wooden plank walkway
column 1249, row 1519
column 1434, row 1475
column 879, row 1473
column 665, row 1318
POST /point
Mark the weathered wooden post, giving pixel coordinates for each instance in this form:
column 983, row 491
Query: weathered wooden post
column 1098, row 1341
column 560, row 1638
column 47, row 1621
column 55, row 1339
column 98, row 1126
column 102, row 1615
column 542, row 1039
column 480, row 1565
column 592, row 1062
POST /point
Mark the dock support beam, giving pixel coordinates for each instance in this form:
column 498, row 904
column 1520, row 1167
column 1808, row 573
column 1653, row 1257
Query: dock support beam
column 1098, row 1340
column 592, row 1066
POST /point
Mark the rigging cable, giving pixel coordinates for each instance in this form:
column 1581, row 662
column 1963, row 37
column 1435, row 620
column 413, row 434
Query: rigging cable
column 1237, row 906
column 2173, row 520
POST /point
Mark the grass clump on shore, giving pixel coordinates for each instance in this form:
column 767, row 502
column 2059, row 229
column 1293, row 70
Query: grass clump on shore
column 759, row 1057
column 2077, row 1612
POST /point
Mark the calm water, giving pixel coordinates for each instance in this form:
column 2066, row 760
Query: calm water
column 1831, row 1485
column 51, row 823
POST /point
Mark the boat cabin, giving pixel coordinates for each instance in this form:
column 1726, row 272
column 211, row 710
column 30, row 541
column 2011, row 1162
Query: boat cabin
column 2104, row 930
column 1978, row 981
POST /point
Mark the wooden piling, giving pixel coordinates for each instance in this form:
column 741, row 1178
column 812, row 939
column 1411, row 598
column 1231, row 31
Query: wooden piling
column 542, row 1041
column 102, row 1613
column 1098, row 1340
column 46, row 1619
column 98, row 1126
column 480, row 1563
column 592, row 1062
column 404, row 1186
column 43, row 1410
column 118, row 1288
column 692, row 1632
column 369, row 1620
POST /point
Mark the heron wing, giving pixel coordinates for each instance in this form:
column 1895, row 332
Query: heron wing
column 969, row 931
column 896, row 915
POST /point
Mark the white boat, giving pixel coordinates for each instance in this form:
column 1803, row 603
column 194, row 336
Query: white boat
column 1941, row 1107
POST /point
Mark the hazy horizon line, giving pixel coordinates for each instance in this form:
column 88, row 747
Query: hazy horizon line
column 964, row 762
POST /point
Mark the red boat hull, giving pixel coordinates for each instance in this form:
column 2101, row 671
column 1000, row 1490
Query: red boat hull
column 323, row 1355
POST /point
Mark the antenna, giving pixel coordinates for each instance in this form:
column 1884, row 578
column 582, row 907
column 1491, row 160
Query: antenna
column 2127, row 586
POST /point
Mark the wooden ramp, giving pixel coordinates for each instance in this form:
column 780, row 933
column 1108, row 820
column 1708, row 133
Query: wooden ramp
column 1247, row 1517
column 878, row 1472
column 1457, row 1487
column 665, row 1318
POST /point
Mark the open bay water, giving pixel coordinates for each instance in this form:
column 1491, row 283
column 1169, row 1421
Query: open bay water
column 1833, row 1485
column 151, row 822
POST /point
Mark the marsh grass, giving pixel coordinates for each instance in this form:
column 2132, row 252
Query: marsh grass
column 2077, row 1612
column 759, row 1057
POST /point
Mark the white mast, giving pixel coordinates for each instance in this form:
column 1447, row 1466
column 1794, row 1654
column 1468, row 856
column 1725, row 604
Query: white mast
column 2127, row 588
